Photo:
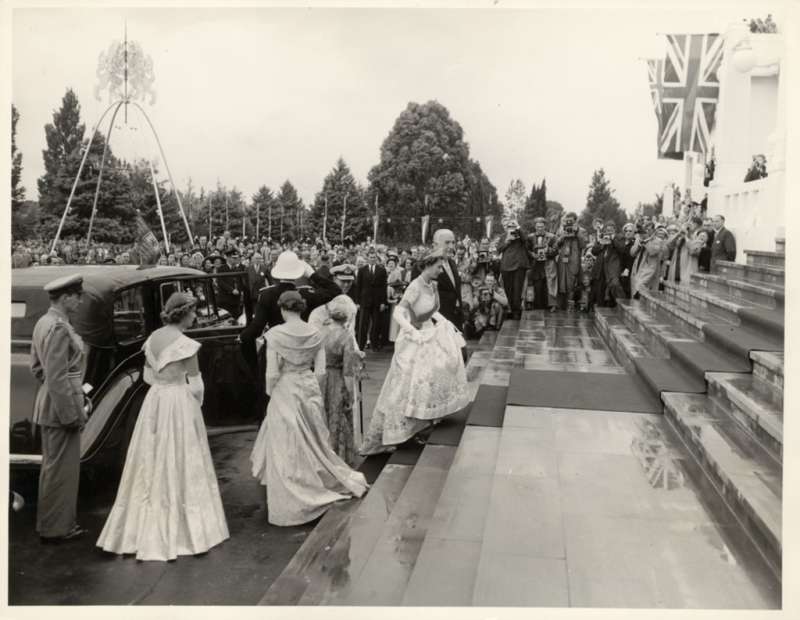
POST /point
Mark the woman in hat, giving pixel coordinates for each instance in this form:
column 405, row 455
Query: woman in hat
column 168, row 502
column 427, row 379
column 651, row 251
column 343, row 359
column 292, row 455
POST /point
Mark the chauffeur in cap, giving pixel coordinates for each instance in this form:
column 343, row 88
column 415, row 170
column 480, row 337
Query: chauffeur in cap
column 60, row 410
column 229, row 296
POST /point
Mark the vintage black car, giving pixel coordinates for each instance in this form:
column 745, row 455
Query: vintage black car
column 121, row 306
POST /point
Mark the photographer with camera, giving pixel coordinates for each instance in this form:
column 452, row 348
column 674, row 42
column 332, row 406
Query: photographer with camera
column 608, row 251
column 650, row 251
column 543, row 276
column 569, row 244
column 627, row 258
column 685, row 248
column 514, row 263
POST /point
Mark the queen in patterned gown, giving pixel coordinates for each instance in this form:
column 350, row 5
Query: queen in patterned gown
column 427, row 379
column 168, row 502
column 292, row 455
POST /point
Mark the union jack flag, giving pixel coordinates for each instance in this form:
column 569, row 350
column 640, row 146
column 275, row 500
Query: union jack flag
column 685, row 90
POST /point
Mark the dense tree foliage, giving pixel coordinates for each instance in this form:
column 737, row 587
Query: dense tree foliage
column 358, row 219
column 601, row 203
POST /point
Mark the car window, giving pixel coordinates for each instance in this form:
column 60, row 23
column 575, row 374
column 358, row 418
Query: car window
column 209, row 313
column 129, row 324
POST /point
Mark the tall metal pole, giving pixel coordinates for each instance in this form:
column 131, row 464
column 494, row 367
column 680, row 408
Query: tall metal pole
column 100, row 177
column 258, row 220
column 227, row 218
column 78, row 176
column 344, row 214
column 375, row 231
column 158, row 204
column 325, row 222
column 269, row 219
column 208, row 200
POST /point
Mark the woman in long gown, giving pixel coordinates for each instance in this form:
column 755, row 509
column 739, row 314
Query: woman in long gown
column 292, row 455
column 343, row 362
column 168, row 502
column 427, row 379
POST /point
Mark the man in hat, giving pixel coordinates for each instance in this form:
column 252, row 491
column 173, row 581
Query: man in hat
column 344, row 276
column 61, row 410
column 287, row 271
column 229, row 296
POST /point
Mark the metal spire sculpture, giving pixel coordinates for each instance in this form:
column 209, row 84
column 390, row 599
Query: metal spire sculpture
column 127, row 74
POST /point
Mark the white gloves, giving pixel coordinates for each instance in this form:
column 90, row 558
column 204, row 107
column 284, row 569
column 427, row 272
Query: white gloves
column 196, row 386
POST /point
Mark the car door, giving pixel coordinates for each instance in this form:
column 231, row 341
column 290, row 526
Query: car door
column 232, row 388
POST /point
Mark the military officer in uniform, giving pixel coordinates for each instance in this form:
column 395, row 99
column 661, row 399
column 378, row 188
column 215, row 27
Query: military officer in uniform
column 60, row 410
column 286, row 273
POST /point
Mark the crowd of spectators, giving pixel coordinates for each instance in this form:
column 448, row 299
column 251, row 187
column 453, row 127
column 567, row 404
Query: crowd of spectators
column 567, row 268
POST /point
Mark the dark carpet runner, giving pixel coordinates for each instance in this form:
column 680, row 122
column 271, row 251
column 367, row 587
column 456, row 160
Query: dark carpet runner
column 489, row 406
column 581, row 390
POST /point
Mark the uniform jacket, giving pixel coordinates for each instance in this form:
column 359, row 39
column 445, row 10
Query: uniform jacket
column 57, row 362
column 267, row 314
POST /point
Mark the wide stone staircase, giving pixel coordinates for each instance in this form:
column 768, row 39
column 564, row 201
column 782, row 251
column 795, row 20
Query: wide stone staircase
column 543, row 507
column 712, row 350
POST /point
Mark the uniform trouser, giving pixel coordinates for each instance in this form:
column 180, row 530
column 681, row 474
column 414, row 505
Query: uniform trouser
column 59, row 476
column 513, row 281
column 369, row 323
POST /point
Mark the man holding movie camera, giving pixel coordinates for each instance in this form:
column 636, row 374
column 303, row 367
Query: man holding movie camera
column 514, row 263
column 543, row 277
column 569, row 244
column 608, row 251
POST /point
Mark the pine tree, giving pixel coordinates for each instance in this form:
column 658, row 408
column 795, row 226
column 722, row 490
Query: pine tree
column 263, row 204
column 516, row 196
column 358, row 221
column 600, row 203
column 65, row 147
column 288, row 205
column 535, row 206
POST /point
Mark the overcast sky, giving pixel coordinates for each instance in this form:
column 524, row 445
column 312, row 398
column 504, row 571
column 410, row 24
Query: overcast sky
column 258, row 96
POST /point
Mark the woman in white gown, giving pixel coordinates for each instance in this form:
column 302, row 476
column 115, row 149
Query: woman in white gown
column 292, row 455
column 168, row 502
column 427, row 379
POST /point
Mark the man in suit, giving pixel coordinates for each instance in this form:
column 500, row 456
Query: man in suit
column 449, row 281
column 257, row 275
column 724, row 246
column 608, row 251
column 57, row 361
column 371, row 283
column 286, row 273
column 229, row 296
column 542, row 277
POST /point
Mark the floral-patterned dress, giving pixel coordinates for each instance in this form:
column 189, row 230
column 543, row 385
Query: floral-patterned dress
column 342, row 361
column 426, row 380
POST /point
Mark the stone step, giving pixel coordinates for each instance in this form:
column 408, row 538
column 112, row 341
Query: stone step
column 768, row 367
column 349, row 529
column 739, row 468
column 696, row 300
column 691, row 322
column 767, row 259
column 656, row 331
column 751, row 273
column 767, row 295
column 715, row 308
column 623, row 342
column 753, row 404
column 447, row 566
column 384, row 576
